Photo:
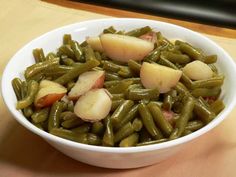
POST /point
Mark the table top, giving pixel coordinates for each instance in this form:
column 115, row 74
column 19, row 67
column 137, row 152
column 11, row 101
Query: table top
column 24, row 154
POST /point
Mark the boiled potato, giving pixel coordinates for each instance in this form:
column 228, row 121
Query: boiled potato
column 124, row 48
column 198, row 70
column 158, row 76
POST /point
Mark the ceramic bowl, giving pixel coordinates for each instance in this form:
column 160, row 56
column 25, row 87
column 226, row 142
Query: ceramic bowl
column 109, row 157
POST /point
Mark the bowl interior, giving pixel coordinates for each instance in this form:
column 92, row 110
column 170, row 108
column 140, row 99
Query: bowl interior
column 52, row 40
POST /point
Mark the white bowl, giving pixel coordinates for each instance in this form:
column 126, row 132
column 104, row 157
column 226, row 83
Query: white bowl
column 109, row 157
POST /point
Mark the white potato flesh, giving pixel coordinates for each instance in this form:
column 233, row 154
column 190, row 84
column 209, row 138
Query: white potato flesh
column 48, row 93
column 87, row 81
column 124, row 48
column 158, row 76
column 198, row 70
column 94, row 105
column 95, row 43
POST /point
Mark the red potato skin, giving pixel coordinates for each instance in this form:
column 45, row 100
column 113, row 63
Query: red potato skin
column 48, row 100
column 169, row 115
column 98, row 84
column 150, row 36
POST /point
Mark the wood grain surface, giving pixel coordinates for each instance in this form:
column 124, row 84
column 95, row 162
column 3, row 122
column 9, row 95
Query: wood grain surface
column 24, row 154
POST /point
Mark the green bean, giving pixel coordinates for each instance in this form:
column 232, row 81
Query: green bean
column 67, row 39
column 120, row 88
column 134, row 66
column 84, row 128
column 57, row 70
column 144, row 136
column 109, row 30
column 190, row 51
column 203, row 112
column 123, row 132
column 70, row 135
column 139, row 32
column 84, row 44
column 174, row 134
column 117, row 96
column 68, row 61
column 97, row 128
column 208, row 83
column 98, row 56
column 38, row 55
column 67, row 115
column 137, row 124
column 76, row 71
column 70, row 106
column 127, row 118
column 39, row 67
column 77, row 49
column 210, row 59
column 129, row 141
column 181, row 89
column 186, row 132
column 134, row 80
column 167, row 63
column 175, row 58
column 50, row 56
column 17, row 84
column 217, row 106
column 110, row 66
column 111, row 77
column 152, row 142
column 38, row 125
column 125, row 72
column 213, row 68
column 167, row 102
column 205, row 92
column 54, row 116
column 148, row 121
column 66, row 50
column 28, row 111
column 194, row 125
column 40, row 115
column 140, row 94
column 32, row 90
column 154, row 56
column 89, row 53
column 24, row 89
column 185, row 115
column 93, row 139
column 159, row 118
column 72, row 123
column 121, row 111
column 70, row 85
column 108, row 137
column 116, row 103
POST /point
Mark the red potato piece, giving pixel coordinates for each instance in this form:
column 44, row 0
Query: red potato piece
column 124, row 48
column 87, row 81
column 150, row 36
column 157, row 76
column 95, row 43
column 48, row 93
column 197, row 70
column 93, row 105
column 169, row 116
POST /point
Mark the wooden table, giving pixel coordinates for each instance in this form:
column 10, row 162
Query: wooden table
column 23, row 154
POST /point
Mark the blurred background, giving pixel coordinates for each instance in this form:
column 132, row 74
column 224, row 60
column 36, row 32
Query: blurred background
column 213, row 12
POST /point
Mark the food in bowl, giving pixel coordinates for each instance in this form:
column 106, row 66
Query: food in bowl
column 121, row 88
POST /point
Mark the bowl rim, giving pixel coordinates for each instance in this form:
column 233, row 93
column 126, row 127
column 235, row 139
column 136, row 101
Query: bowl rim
column 118, row 150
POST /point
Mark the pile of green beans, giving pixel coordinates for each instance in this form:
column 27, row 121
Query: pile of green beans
column 138, row 116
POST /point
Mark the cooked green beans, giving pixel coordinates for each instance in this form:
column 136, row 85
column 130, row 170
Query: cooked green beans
column 185, row 115
column 148, row 122
column 129, row 111
column 32, row 90
column 54, row 116
column 159, row 118
column 76, row 71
